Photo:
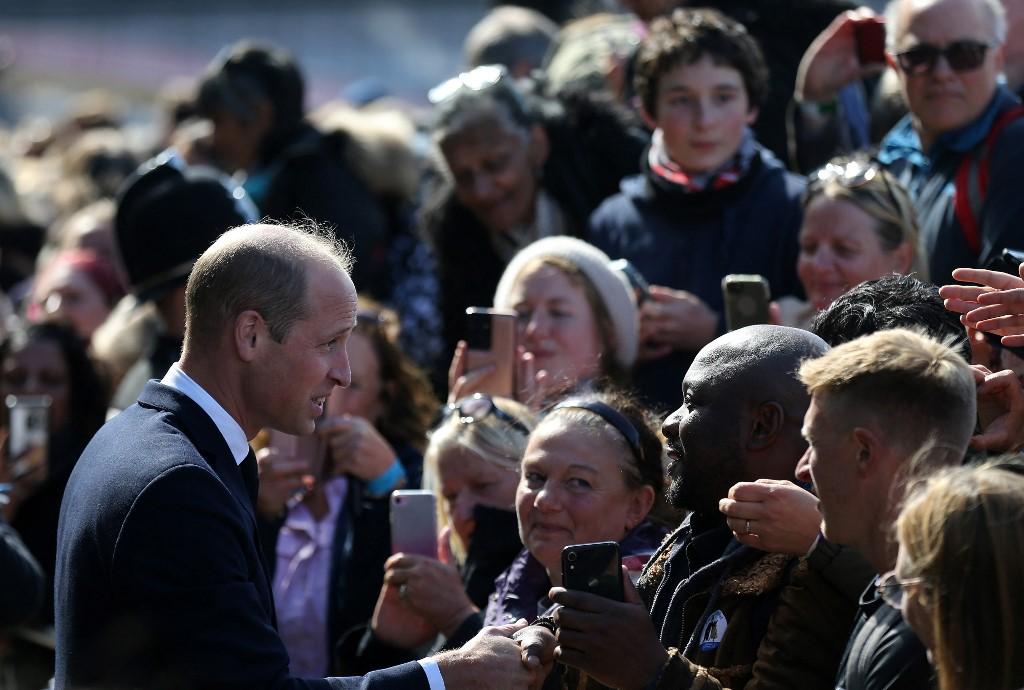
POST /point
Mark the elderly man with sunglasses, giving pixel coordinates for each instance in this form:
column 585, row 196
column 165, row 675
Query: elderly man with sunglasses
column 956, row 150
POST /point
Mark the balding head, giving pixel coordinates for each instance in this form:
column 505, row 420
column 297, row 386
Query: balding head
column 759, row 362
column 741, row 416
column 261, row 267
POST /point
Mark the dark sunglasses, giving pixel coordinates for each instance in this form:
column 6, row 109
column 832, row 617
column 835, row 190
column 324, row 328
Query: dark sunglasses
column 961, row 56
column 480, row 406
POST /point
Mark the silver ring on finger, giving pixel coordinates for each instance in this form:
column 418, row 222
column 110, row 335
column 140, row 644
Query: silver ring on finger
column 403, row 592
column 748, row 527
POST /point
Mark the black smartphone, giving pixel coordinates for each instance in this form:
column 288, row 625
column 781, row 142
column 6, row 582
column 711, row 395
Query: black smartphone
column 1008, row 261
column 746, row 298
column 870, row 38
column 636, row 279
column 595, row 568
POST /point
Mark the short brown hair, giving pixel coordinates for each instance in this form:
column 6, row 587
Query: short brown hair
column 261, row 267
column 686, row 36
column 901, row 375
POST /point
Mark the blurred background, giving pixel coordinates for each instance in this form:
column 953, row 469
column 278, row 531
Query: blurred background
column 51, row 50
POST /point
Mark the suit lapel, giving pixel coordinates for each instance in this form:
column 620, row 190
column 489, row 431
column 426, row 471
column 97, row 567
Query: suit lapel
column 205, row 436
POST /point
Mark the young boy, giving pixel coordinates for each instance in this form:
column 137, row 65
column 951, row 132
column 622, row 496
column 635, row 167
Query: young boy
column 710, row 201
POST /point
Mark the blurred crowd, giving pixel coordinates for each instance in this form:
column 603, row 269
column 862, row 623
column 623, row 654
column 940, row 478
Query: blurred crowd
column 836, row 499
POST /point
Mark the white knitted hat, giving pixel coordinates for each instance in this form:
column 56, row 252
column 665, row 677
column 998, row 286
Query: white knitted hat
column 612, row 286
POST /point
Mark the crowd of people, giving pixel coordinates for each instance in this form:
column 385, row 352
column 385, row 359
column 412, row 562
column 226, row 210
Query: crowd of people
column 248, row 334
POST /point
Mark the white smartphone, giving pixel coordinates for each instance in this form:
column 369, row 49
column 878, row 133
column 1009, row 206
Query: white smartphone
column 414, row 523
column 28, row 418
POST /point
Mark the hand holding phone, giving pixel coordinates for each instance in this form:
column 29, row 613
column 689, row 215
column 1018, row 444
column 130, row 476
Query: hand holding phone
column 28, row 424
column 746, row 298
column 595, row 568
column 491, row 343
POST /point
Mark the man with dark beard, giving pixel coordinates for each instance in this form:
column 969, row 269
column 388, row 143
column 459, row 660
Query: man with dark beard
column 724, row 615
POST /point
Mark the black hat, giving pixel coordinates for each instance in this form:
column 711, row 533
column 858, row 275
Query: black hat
column 167, row 215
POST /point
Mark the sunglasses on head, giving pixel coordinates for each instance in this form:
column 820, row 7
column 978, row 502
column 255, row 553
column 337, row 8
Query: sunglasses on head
column 477, row 79
column 859, row 173
column 480, row 406
column 961, row 56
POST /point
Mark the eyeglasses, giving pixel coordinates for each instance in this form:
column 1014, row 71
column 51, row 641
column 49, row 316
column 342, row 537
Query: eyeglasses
column 479, row 407
column 891, row 586
column 477, row 79
column 961, row 56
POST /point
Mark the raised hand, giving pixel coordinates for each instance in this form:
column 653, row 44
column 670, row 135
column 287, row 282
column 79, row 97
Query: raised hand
column 831, row 62
column 1000, row 411
column 772, row 515
column 355, row 447
column 995, row 304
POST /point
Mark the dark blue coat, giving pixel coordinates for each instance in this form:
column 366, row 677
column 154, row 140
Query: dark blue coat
column 160, row 582
column 691, row 241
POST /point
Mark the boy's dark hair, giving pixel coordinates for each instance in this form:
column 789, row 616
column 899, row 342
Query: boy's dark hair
column 686, row 36
column 895, row 301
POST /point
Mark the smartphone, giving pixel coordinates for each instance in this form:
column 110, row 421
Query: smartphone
column 414, row 523
column 491, row 340
column 595, row 568
column 309, row 448
column 636, row 279
column 1008, row 261
column 746, row 299
column 870, row 39
column 28, row 421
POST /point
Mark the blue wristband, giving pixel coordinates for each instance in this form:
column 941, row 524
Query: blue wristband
column 386, row 482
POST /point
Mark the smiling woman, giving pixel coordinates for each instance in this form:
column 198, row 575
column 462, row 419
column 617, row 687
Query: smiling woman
column 859, row 224
column 592, row 472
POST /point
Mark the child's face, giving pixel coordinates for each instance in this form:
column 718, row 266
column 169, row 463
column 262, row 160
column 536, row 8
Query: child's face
column 703, row 111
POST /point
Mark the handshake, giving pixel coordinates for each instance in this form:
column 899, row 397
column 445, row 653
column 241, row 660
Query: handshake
column 505, row 656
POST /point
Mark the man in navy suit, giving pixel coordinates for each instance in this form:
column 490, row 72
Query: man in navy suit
column 160, row 582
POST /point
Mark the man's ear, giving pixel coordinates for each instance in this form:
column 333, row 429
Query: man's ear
column 769, row 418
column 870, row 447
column 540, row 147
column 752, row 115
column 248, row 334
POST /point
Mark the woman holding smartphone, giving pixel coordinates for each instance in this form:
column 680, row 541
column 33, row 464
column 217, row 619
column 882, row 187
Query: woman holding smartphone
column 472, row 466
column 577, row 321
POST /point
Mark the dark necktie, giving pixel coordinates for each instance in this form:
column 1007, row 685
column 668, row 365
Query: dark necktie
column 250, row 473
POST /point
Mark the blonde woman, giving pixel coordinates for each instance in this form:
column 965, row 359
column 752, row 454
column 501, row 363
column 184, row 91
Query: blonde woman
column 959, row 573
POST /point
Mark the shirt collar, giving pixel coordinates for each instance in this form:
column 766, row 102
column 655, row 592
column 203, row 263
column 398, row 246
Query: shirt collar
column 229, row 428
column 903, row 142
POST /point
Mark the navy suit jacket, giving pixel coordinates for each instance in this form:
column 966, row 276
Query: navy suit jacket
column 160, row 582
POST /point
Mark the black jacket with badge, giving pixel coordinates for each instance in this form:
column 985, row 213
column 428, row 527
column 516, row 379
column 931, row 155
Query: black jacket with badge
column 735, row 617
